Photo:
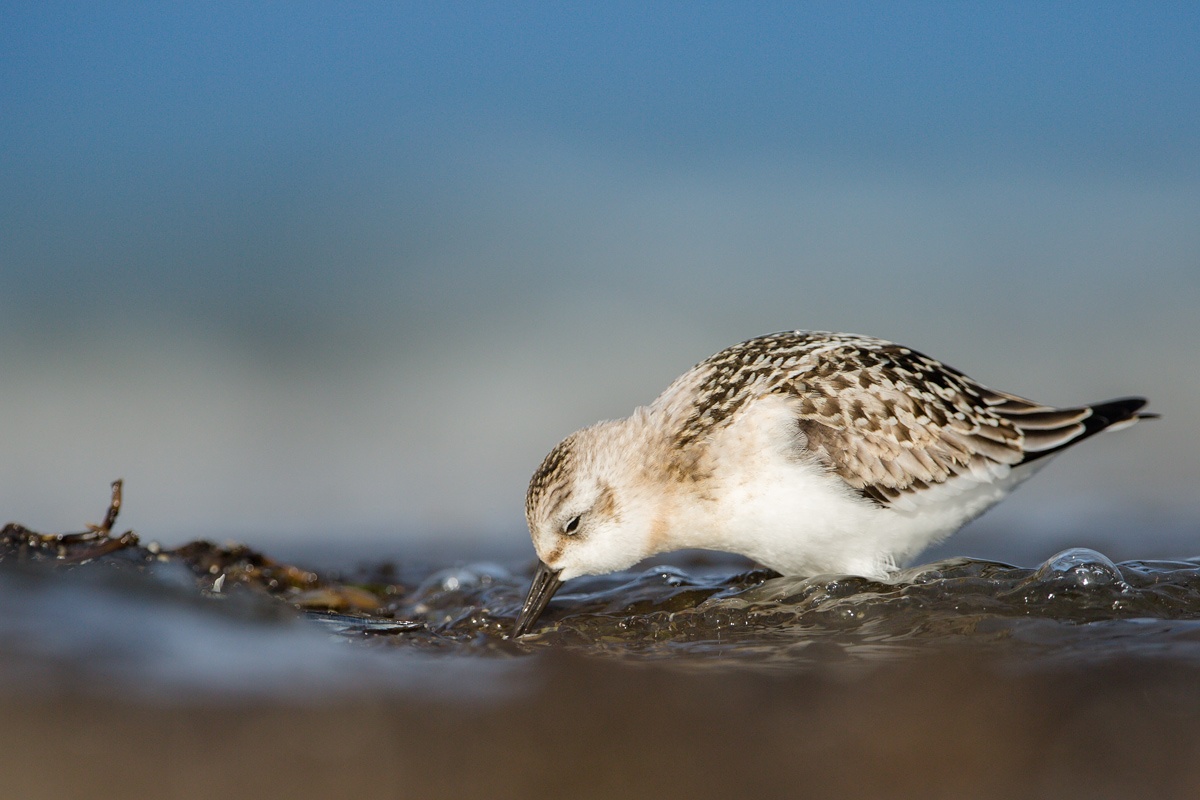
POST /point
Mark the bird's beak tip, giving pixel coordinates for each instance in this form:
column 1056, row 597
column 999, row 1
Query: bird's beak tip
column 545, row 584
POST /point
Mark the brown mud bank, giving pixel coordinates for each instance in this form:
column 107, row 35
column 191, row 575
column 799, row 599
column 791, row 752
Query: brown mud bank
column 594, row 729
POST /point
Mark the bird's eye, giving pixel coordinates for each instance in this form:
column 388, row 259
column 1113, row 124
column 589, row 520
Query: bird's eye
column 572, row 525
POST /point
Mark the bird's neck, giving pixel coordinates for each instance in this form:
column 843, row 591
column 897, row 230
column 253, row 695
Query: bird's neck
column 670, row 484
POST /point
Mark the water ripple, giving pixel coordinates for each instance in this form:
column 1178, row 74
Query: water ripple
column 203, row 616
column 1092, row 606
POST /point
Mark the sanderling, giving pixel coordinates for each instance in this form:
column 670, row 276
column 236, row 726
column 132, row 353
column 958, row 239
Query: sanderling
column 809, row 452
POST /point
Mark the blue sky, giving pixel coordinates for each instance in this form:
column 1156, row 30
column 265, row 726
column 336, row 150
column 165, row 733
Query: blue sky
column 273, row 251
column 255, row 121
column 143, row 82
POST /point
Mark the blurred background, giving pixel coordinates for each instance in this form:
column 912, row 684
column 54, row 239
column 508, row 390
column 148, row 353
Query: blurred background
column 329, row 274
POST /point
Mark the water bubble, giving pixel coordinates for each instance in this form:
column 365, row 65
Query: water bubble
column 1081, row 567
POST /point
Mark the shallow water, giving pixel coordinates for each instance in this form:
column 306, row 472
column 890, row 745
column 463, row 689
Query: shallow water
column 1077, row 606
column 210, row 619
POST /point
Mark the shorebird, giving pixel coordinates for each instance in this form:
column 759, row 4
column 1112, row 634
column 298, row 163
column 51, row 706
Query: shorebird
column 809, row 452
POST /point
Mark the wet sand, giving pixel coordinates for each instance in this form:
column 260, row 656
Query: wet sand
column 938, row 726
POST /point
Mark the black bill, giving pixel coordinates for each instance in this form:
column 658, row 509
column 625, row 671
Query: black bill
column 545, row 584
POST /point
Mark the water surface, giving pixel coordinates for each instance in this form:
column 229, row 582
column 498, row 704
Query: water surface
column 231, row 619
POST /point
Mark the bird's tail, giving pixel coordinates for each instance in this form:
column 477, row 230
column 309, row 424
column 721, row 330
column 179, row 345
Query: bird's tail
column 1048, row 431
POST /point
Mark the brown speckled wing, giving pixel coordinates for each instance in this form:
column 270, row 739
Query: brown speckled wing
column 891, row 421
column 887, row 419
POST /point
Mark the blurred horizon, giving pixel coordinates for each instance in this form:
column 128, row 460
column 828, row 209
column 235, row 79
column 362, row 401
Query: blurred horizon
column 302, row 272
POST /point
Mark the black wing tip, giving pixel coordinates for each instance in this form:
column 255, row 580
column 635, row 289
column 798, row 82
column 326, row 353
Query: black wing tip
column 1115, row 414
column 1115, row 411
column 1110, row 412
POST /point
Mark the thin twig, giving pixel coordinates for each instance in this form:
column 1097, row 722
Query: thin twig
column 114, row 508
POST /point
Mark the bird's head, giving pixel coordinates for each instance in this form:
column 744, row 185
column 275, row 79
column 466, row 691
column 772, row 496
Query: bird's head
column 588, row 510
